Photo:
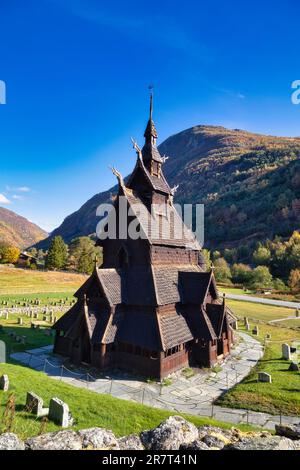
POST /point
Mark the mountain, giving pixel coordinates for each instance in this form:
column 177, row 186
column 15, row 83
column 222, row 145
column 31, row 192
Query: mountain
column 18, row 231
column 249, row 184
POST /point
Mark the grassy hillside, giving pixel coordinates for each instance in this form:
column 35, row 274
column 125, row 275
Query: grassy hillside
column 14, row 281
column 88, row 408
column 280, row 396
column 249, row 183
column 18, row 231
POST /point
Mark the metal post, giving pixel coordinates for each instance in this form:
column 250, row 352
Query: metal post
column 111, row 384
column 143, row 396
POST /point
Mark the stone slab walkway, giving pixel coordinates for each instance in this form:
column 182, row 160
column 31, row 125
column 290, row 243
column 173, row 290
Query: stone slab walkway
column 194, row 395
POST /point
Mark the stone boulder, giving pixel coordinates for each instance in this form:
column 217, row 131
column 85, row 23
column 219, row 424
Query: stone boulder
column 262, row 443
column 131, row 442
column 213, row 441
column 291, row 431
column 61, row 440
column 9, row 441
column 170, row 434
column 98, row 438
column 195, row 445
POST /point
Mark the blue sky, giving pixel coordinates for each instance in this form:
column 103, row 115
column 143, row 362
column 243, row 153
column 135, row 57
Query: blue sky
column 77, row 73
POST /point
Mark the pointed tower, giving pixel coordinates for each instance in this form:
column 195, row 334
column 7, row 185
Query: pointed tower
column 151, row 307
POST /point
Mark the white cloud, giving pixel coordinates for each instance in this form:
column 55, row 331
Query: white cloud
column 3, row 199
column 23, row 189
column 17, row 197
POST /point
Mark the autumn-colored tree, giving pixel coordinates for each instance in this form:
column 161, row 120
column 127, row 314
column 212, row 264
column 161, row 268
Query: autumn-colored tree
column 9, row 254
column 294, row 279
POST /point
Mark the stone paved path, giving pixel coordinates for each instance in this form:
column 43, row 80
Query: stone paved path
column 194, row 395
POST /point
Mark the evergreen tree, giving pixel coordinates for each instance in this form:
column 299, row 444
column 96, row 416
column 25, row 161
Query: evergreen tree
column 57, row 255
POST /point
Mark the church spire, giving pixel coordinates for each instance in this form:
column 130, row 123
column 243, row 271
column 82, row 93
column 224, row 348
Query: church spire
column 150, row 132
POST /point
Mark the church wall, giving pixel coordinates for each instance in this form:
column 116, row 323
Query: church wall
column 138, row 252
column 170, row 255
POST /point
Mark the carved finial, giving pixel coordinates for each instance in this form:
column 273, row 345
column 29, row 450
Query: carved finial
column 118, row 175
column 164, row 158
column 174, row 189
column 136, row 147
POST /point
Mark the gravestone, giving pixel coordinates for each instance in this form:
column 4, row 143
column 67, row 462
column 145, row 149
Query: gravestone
column 286, row 351
column 264, row 377
column 59, row 413
column 34, row 405
column 6, row 316
column 246, row 321
column 2, row 351
column 247, row 327
column 255, row 331
column 268, row 336
column 297, row 313
column 4, row 383
column 294, row 367
column 20, row 321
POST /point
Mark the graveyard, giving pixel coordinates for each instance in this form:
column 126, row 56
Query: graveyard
column 280, row 396
column 27, row 314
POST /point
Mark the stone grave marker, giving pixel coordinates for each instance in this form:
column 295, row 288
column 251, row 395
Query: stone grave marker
column 294, row 367
column 2, row 351
column 59, row 413
column 286, row 351
column 264, row 377
column 297, row 313
column 255, row 331
column 34, row 405
column 4, row 383
column 20, row 321
column 247, row 327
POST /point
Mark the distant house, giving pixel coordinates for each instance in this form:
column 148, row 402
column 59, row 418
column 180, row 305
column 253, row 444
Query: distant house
column 26, row 260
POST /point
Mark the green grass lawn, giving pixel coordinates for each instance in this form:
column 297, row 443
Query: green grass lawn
column 259, row 311
column 283, row 394
column 44, row 299
column 88, row 408
column 19, row 281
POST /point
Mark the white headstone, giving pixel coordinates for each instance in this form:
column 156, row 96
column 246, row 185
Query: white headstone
column 20, row 321
column 286, row 351
column 2, row 351
column 4, row 383
column 264, row 377
column 59, row 412
column 34, row 404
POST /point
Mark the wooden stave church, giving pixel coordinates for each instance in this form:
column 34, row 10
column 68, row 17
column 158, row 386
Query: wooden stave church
column 151, row 308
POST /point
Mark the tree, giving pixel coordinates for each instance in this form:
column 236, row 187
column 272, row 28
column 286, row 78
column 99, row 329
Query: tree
column 294, row 279
column 222, row 270
column 57, row 255
column 260, row 278
column 206, row 256
column 9, row 254
column 262, row 256
column 82, row 254
column 240, row 273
